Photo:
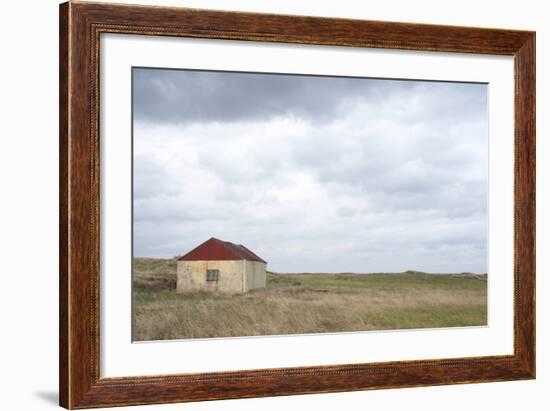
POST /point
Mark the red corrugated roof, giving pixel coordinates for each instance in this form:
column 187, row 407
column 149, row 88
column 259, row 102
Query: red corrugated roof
column 215, row 249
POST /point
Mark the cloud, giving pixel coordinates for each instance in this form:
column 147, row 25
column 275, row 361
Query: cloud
column 314, row 174
column 176, row 96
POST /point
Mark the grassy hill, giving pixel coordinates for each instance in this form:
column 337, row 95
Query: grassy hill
column 304, row 303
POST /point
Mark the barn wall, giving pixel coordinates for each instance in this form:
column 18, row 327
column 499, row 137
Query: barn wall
column 255, row 275
column 192, row 276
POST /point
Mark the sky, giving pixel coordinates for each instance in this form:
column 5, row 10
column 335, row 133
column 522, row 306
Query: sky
column 313, row 174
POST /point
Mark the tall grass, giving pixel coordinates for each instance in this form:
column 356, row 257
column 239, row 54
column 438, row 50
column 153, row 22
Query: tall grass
column 305, row 303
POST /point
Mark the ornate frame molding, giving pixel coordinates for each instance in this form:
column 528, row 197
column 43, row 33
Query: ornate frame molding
column 81, row 24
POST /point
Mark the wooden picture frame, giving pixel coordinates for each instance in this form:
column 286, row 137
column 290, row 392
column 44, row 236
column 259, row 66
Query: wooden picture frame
column 81, row 24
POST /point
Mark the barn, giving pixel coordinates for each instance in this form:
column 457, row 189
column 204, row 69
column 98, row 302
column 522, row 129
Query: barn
column 218, row 265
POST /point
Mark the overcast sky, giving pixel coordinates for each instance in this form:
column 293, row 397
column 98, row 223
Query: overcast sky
column 314, row 174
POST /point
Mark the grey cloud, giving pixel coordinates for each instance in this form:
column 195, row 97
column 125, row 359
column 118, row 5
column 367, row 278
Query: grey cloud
column 149, row 178
column 183, row 96
column 305, row 170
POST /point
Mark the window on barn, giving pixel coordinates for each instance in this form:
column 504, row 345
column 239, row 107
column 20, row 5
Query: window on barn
column 212, row 275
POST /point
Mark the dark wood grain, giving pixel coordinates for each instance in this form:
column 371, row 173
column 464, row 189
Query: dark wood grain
column 525, row 175
column 80, row 27
column 63, row 205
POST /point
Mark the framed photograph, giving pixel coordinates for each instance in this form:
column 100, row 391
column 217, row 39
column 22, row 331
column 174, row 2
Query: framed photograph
column 258, row 205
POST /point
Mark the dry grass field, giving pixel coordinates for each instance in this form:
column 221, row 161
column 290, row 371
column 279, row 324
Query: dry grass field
column 304, row 303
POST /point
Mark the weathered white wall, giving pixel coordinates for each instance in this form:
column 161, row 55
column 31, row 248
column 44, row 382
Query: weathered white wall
column 192, row 276
column 235, row 276
column 255, row 275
